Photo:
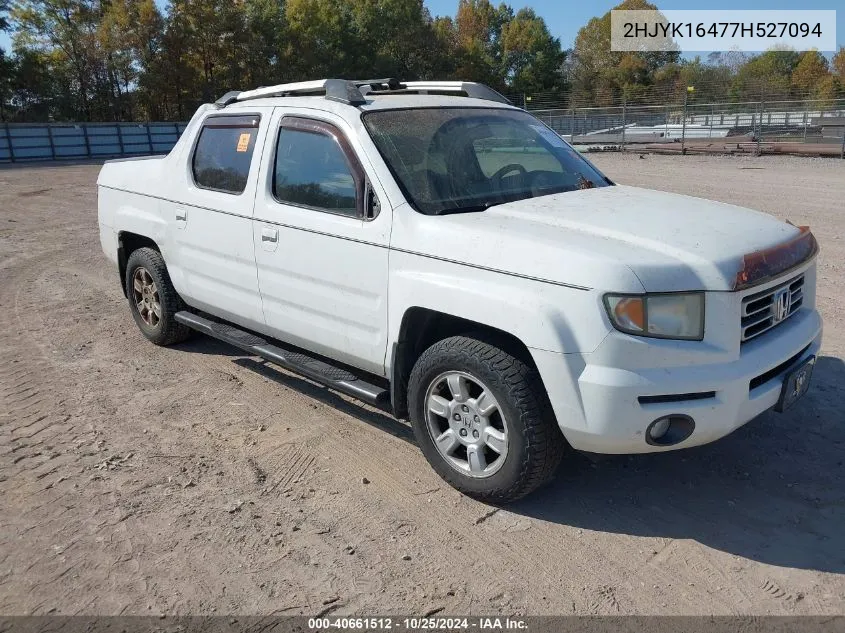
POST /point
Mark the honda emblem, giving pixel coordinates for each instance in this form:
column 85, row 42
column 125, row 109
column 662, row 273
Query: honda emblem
column 780, row 305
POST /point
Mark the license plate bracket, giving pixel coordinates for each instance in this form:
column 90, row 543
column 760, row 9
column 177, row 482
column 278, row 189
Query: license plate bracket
column 795, row 384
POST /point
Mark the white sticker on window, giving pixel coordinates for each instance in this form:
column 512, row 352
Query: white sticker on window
column 243, row 142
column 550, row 135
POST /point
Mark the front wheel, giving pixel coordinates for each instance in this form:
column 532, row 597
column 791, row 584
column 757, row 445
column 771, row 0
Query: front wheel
column 482, row 419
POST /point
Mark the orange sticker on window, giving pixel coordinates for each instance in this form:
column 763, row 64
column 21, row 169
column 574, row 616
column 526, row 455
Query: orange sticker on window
column 243, row 142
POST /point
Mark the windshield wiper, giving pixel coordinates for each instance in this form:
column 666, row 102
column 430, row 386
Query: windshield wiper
column 470, row 208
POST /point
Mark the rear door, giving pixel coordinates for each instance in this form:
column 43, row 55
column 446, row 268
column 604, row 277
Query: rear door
column 321, row 242
column 211, row 216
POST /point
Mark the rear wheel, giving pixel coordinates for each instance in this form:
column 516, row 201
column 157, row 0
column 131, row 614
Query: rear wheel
column 482, row 419
column 153, row 300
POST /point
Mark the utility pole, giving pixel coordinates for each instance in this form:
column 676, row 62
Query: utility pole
column 624, row 118
column 689, row 91
column 712, row 116
column 806, row 107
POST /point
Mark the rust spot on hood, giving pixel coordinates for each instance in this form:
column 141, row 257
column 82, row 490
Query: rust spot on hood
column 762, row 265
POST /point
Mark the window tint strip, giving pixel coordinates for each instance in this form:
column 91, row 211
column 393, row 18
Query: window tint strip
column 229, row 121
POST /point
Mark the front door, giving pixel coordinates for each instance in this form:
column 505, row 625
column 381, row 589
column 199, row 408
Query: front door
column 321, row 244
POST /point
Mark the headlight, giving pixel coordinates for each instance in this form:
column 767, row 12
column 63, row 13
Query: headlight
column 676, row 315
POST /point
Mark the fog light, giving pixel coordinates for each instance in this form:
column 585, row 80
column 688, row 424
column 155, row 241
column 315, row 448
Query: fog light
column 669, row 430
column 658, row 428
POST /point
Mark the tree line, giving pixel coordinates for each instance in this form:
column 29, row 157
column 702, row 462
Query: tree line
column 101, row 60
column 127, row 59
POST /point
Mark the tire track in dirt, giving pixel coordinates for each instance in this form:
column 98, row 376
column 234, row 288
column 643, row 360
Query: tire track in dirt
column 605, row 601
column 32, row 425
column 38, row 428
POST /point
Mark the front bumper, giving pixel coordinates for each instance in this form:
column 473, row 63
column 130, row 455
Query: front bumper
column 598, row 408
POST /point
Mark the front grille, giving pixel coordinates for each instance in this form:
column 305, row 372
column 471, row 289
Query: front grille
column 760, row 313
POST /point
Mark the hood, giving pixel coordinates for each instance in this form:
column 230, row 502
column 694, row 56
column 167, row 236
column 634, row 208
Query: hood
column 617, row 238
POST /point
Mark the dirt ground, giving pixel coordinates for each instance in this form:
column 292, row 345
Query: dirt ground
column 194, row 480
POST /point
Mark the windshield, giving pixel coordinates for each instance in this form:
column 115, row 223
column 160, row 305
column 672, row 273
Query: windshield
column 449, row 160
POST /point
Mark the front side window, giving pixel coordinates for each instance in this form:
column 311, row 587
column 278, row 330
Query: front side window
column 312, row 170
column 224, row 153
column 450, row 160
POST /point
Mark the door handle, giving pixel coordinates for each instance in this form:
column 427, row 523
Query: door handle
column 269, row 235
column 181, row 215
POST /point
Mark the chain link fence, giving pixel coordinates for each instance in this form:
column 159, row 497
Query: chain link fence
column 812, row 127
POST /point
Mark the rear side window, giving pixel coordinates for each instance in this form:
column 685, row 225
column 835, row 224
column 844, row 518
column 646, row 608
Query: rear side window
column 224, row 152
column 313, row 170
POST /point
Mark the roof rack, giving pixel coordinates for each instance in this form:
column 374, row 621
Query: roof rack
column 352, row 91
column 469, row 88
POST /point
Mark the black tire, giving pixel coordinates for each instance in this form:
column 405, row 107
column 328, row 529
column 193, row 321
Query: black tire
column 535, row 444
column 165, row 330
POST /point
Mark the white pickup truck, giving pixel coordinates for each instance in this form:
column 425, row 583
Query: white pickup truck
column 434, row 251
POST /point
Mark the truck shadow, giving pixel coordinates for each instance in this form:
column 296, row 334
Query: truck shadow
column 770, row 492
column 207, row 346
column 364, row 413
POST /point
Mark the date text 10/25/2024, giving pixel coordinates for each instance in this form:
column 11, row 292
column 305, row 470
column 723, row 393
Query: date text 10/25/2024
column 419, row 624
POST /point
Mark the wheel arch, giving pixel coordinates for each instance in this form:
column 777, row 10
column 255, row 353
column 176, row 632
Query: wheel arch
column 423, row 327
column 127, row 243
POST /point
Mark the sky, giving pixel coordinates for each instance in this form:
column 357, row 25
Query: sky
column 565, row 17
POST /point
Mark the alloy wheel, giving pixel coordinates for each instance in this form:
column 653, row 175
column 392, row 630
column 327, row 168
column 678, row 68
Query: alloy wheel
column 467, row 424
column 145, row 294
